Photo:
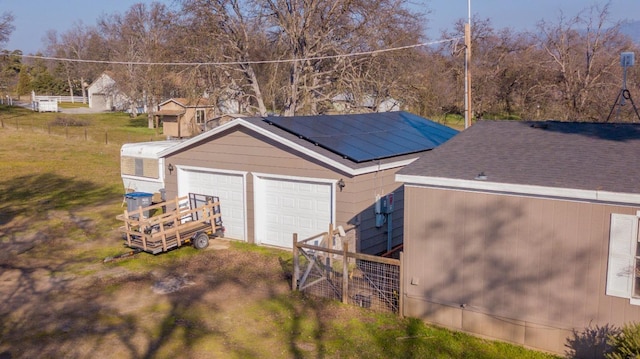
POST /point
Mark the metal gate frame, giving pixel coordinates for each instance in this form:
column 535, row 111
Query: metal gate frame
column 359, row 279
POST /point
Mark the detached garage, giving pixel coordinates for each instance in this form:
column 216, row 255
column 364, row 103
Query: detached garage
column 277, row 176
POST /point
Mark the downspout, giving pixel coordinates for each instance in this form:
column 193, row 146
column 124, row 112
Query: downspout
column 389, row 229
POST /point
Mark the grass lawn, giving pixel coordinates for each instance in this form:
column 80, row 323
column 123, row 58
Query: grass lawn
column 60, row 192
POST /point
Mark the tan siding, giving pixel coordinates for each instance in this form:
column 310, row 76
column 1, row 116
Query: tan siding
column 150, row 167
column 366, row 188
column 128, row 165
column 539, row 261
column 243, row 150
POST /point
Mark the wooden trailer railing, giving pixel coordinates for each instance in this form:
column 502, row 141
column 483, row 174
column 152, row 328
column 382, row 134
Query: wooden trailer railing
column 160, row 227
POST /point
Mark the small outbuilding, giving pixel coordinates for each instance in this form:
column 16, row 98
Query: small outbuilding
column 104, row 94
column 276, row 176
column 185, row 117
column 525, row 231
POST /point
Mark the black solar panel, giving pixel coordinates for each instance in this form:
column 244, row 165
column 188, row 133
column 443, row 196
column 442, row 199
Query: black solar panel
column 366, row 137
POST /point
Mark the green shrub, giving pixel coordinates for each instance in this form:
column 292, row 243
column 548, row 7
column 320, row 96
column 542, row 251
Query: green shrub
column 625, row 343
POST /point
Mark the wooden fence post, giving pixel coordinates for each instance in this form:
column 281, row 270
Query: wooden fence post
column 106, row 137
column 401, row 287
column 328, row 261
column 345, row 271
column 296, row 263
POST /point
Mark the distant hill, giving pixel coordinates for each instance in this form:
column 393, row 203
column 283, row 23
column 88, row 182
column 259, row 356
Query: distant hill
column 632, row 29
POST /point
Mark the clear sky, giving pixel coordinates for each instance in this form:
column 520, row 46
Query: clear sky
column 33, row 18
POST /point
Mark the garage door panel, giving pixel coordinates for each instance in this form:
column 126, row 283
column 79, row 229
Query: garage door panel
column 228, row 187
column 291, row 206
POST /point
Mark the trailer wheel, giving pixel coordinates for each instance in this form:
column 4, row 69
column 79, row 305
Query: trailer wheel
column 220, row 233
column 201, row 241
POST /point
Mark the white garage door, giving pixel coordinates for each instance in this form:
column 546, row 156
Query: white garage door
column 230, row 189
column 288, row 206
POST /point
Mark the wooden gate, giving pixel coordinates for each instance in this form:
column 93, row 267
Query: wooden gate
column 359, row 279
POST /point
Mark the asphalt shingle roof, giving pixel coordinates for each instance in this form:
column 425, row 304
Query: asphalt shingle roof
column 576, row 155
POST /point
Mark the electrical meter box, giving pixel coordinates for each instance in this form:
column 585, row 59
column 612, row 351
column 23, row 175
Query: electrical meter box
column 383, row 207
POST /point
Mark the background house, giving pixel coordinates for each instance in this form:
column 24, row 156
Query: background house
column 525, row 231
column 183, row 118
column 347, row 103
column 104, row 95
column 280, row 175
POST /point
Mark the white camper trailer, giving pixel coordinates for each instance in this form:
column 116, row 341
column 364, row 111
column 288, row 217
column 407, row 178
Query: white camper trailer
column 141, row 169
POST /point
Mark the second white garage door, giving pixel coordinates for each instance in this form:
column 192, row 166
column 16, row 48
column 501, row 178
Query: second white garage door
column 228, row 186
column 287, row 206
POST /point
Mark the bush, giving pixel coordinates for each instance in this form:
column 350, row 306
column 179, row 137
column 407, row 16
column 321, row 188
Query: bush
column 625, row 343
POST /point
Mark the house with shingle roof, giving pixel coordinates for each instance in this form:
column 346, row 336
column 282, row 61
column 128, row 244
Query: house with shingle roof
column 525, row 231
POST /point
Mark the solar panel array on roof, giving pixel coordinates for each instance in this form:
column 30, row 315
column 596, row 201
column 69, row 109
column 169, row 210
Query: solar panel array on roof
column 366, row 137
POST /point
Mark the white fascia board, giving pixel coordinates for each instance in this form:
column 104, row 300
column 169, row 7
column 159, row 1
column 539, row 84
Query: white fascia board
column 212, row 170
column 140, row 178
column 311, row 153
column 541, row 191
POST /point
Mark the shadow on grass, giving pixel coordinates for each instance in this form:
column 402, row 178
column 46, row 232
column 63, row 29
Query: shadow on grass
column 139, row 121
column 33, row 196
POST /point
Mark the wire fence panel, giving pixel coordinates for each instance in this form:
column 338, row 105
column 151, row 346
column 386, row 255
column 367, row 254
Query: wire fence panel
column 375, row 285
column 366, row 281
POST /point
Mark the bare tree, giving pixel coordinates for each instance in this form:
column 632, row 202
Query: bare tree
column 137, row 39
column 77, row 43
column 237, row 37
column 384, row 75
column 6, row 26
column 312, row 31
column 582, row 59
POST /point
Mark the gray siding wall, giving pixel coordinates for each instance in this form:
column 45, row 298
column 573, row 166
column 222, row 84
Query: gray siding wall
column 244, row 150
column 526, row 270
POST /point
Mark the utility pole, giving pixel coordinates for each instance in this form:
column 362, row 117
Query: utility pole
column 467, row 72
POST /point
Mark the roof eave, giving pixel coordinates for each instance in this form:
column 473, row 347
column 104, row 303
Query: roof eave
column 521, row 189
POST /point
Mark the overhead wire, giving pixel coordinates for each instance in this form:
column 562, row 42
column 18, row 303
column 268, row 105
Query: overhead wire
column 253, row 62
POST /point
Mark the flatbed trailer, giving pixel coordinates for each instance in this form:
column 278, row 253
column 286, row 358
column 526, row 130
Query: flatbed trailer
column 163, row 226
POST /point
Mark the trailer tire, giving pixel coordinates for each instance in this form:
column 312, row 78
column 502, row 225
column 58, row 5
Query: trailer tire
column 220, row 233
column 201, row 241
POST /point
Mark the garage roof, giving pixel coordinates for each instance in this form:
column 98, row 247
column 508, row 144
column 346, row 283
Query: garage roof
column 432, row 133
column 367, row 137
column 561, row 159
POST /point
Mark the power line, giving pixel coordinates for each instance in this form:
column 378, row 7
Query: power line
column 354, row 54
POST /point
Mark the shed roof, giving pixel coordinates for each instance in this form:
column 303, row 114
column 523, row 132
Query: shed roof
column 188, row 102
column 524, row 157
column 330, row 153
